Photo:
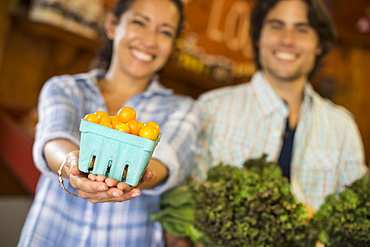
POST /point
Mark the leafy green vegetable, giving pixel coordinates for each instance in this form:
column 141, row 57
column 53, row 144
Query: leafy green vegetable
column 176, row 213
column 344, row 220
column 253, row 206
column 250, row 206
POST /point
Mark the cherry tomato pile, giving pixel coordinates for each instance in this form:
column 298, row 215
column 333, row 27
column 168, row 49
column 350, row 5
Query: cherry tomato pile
column 125, row 121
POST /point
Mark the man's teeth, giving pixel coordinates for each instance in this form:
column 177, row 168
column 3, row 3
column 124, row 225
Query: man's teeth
column 142, row 56
column 285, row 55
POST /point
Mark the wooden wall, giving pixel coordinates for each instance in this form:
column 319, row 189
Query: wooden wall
column 216, row 53
column 33, row 52
column 348, row 68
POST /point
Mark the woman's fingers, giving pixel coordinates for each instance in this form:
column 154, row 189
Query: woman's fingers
column 98, row 178
column 111, row 195
column 149, row 176
column 115, row 195
column 103, row 191
column 99, row 188
column 111, row 182
column 83, row 184
column 71, row 162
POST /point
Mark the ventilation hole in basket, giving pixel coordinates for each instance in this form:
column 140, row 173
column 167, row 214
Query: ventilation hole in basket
column 125, row 171
column 92, row 163
column 108, row 168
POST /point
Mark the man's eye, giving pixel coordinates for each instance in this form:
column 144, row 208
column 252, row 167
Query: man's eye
column 302, row 30
column 275, row 26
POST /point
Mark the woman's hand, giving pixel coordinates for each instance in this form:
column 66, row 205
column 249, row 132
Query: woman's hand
column 97, row 188
column 149, row 177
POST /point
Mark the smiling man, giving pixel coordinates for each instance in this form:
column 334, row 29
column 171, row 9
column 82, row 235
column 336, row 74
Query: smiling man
column 316, row 143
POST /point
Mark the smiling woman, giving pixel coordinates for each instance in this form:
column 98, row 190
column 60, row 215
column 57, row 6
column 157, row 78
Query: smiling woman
column 140, row 38
column 143, row 39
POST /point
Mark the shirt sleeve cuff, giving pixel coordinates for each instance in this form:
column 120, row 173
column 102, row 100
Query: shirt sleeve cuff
column 165, row 154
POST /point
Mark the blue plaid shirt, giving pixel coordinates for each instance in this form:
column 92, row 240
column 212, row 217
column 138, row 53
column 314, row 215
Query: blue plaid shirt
column 247, row 120
column 58, row 219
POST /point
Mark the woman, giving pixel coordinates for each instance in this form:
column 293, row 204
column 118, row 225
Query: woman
column 142, row 34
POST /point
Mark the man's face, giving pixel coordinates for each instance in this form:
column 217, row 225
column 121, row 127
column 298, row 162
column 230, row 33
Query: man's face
column 288, row 45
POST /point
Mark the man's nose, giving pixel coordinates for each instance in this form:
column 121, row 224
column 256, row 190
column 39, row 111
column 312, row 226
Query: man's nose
column 288, row 37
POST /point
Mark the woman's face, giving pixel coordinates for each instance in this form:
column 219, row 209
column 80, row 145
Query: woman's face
column 144, row 37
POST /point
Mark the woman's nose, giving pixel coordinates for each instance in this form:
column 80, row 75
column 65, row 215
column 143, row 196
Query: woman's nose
column 150, row 38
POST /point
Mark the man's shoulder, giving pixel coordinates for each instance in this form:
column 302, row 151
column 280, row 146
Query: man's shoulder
column 333, row 110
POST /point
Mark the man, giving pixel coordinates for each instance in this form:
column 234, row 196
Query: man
column 316, row 143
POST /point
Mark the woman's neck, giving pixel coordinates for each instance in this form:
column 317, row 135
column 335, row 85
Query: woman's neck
column 118, row 88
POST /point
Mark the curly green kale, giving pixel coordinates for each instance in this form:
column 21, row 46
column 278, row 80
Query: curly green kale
column 250, row 206
column 344, row 220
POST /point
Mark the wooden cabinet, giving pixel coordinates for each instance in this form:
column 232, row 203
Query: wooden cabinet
column 33, row 52
column 30, row 53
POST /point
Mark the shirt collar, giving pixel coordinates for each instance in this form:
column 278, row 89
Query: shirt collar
column 154, row 86
column 268, row 99
column 308, row 94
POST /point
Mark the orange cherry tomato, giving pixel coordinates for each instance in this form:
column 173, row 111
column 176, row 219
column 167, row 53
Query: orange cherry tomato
column 114, row 119
column 101, row 113
column 105, row 118
column 149, row 132
column 122, row 127
column 126, row 114
column 125, row 121
column 154, row 125
column 135, row 127
column 105, row 123
column 91, row 117
column 114, row 124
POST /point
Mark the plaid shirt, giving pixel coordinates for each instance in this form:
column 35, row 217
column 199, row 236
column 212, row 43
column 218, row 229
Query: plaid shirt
column 247, row 120
column 58, row 219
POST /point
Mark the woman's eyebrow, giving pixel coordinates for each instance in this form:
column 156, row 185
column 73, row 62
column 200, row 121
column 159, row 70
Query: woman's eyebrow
column 148, row 19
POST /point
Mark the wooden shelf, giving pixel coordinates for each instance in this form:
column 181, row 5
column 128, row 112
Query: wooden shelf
column 54, row 32
column 190, row 83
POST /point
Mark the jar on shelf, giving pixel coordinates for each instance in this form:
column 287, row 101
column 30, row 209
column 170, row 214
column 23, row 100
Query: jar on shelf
column 48, row 11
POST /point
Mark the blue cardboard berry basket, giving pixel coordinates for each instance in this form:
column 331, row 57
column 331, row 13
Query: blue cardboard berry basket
column 114, row 153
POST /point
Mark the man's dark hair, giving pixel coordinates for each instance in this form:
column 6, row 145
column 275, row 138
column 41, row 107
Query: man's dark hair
column 318, row 18
column 105, row 55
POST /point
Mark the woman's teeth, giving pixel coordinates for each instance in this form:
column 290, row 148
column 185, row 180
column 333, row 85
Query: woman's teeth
column 142, row 56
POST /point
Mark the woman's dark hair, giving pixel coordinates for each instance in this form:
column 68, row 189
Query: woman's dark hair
column 318, row 17
column 105, row 55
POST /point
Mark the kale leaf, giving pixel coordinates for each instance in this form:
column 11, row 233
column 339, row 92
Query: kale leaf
column 249, row 206
column 344, row 220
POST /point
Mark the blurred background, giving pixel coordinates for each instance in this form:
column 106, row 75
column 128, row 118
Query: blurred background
column 43, row 38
